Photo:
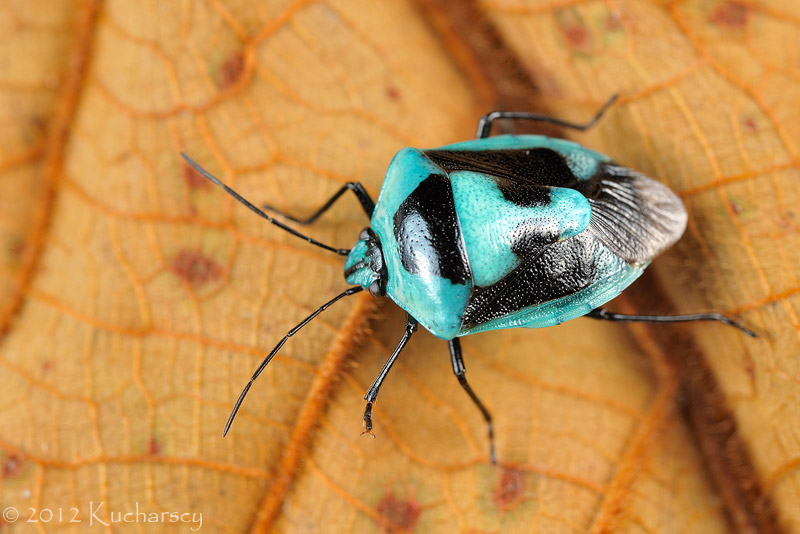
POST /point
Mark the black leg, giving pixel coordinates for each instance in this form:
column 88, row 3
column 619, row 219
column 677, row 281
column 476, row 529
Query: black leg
column 485, row 124
column 355, row 187
column 460, row 372
column 372, row 394
column 600, row 313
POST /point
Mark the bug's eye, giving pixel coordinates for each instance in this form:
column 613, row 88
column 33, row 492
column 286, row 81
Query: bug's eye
column 375, row 289
column 364, row 234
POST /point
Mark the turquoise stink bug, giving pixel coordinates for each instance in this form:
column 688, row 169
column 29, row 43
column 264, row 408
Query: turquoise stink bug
column 499, row 232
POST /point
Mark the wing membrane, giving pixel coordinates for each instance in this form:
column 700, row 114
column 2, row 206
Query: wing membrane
column 636, row 217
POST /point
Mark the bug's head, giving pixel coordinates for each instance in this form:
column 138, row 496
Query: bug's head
column 365, row 266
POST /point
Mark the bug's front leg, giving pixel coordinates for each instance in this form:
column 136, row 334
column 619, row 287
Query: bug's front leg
column 372, row 394
column 460, row 371
column 358, row 190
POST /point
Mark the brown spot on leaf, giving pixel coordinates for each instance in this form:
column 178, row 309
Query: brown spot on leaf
column 509, row 490
column 195, row 268
column 576, row 33
column 736, row 208
column 47, row 365
column 750, row 124
column 194, row 179
column 785, row 219
column 749, row 367
column 17, row 247
column 402, row 514
column 39, row 123
column 12, row 466
column 577, row 37
column 154, row 447
column 15, row 250
column 613, row 22
column 730, row 15
column 393, row 93
column 231, row 70
column 35, row 129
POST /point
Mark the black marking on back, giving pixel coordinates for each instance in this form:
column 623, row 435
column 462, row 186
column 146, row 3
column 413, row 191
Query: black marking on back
column 529, row 237
column 523, row 175
column 557, row 270
column 428, row 234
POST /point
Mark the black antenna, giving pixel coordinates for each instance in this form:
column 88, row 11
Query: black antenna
column 240, row 198
column 274, row 351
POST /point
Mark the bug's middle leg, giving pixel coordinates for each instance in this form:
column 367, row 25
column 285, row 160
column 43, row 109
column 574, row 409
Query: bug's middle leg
column 460, row 371
column 358, row 190
column 372, row 393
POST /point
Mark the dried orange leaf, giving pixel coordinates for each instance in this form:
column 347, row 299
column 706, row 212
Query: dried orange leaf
column 149, row 296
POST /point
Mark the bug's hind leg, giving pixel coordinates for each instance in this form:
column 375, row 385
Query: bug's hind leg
column 485, row 124
column 358, row 190
column 460, row 371
column 372, row 394
column 600, row 313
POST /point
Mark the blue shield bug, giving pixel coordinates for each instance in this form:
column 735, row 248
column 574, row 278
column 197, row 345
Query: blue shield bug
column 499, row 232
